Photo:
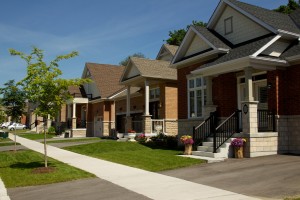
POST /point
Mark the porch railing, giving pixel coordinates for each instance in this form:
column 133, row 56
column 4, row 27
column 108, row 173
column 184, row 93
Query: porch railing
column 137, row 125
column 205, row 129
column 158, row 126
column 226, row 129
column 266, row 121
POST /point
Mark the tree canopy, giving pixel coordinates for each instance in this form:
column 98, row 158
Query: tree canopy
column 176, row 36
column 126, row 60
column 289, row 8
column 13, row 100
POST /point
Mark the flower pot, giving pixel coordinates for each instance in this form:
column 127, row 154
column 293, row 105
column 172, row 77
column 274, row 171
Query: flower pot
column 188, row 149
column 238, row 152
column 131, row 137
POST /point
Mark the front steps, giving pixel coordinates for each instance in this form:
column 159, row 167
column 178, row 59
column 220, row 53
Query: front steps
column 206, row 150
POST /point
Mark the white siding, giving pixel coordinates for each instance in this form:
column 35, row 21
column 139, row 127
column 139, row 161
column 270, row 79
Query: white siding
column 276, row 49
column 91, row 88
column 197, row 45
column 244, row 29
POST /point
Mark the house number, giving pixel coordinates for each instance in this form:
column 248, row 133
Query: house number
column 245, row 109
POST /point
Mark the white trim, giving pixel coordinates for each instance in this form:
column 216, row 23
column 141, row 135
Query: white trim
column 113, row 96
column 289, row 33
column 203, row 38
column 266, row 46
column 293, row 58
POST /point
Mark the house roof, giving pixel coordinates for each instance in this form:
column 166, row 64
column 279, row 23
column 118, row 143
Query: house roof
column 214, row 40
column 241, row 51
column 171, row 48
column 295, row 16
column 77, row 91
column 275, row 19
column 154, row 68
column 293, row 50
column 106, row 78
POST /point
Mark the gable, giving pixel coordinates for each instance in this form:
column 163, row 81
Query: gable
column 236, row 27
column 197, row 45
column 277, row 48
column 130, row 71
column 164, row 54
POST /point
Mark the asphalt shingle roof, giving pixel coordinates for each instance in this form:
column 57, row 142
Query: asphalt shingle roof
column 292, row 50
column 172, row 48
column 275, row 19
column 241, row 51
column 106, row 78
column 211, row 37
column 154, row 68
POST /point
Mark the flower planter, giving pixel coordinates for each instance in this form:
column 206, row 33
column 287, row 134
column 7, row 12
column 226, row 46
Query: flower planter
column 238, row 152
column 131, row 137
column 188, row 149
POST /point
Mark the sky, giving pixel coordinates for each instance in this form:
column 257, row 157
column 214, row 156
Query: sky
column 102, row 31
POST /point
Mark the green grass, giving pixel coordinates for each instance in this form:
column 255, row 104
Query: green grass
column 72, row 140
column 4, row 139
column 35, row 136
column 135, row 155
column 2, row 144
column 16, row 170
column 292, row 198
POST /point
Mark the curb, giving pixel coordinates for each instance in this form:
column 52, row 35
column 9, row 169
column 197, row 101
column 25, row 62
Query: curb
column 3, row 191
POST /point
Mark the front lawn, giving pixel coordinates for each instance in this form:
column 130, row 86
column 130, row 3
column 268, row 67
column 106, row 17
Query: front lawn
column 35, row 136
column 72, row 140
column 17, row 169
column 135, row 155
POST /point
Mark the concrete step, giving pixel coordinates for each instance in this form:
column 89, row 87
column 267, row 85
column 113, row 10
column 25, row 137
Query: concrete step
column 211, row 139
column 208, row 144
column 123, row 139
column 209, row 154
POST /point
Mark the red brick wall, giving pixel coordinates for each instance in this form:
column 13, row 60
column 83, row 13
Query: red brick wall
column 225, row 94
column 292, row 97
column 182, row 90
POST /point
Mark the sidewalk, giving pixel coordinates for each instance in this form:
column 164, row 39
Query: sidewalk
column 149, row 184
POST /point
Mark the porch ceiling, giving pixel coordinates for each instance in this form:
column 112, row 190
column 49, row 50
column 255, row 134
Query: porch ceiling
column 260, row 63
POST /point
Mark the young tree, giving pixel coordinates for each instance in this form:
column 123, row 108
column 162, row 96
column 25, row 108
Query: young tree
column 43, row 86
column 126, row 60
column 13, row 100
column 176, row 36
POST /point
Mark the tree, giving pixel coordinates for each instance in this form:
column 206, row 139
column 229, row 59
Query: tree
column 43, row 86
column 13, row 100
column 126, row 60
column 289, row 8
column 176, row 36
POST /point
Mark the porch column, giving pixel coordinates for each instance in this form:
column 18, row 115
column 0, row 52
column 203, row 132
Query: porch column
column 128, row 121
column 249, row 106
column 147, row 122
column 74, row 120
column 209, row 107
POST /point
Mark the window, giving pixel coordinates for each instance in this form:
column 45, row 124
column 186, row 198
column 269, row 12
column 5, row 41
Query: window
column 228, row 25
column 196, row 96
column 154, row 94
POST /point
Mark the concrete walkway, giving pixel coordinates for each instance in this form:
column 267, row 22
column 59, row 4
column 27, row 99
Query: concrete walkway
column 149, row 184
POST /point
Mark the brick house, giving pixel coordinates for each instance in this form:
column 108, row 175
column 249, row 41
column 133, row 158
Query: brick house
column 240, row 75
column 157, row 99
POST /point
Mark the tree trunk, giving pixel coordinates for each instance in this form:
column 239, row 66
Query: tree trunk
column 45, row 148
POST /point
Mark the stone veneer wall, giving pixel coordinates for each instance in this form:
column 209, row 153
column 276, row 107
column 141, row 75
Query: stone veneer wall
column 171, row 127
column 79, row 133
column 289, row 134
column 108, row 128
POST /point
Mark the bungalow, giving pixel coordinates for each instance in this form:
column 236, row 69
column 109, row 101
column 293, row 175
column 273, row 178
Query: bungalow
column 239, row 77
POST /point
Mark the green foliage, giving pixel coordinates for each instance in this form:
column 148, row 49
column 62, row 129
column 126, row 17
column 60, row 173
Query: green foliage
column 135, row 155
column 289, row 8
column 16, row 170
column 163, row 141
column 2, row 115
column 51, row 130
column 42, row 84
column 176, row 36
column 126, row 60
column 13, row 100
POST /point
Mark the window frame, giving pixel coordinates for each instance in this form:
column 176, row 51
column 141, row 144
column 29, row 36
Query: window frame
column 202, row 88
column 228, row 29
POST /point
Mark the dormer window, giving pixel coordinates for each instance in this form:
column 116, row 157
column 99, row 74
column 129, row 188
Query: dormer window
column 228, row 25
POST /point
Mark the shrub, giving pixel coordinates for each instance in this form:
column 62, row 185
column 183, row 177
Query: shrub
column 51, row 130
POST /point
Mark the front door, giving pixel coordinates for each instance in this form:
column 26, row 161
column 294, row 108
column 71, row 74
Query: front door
column 98, row 127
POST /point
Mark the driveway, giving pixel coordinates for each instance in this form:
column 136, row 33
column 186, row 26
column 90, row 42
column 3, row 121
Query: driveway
column 273, row 177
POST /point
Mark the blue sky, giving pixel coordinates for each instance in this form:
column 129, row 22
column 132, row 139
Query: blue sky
column 101, row 31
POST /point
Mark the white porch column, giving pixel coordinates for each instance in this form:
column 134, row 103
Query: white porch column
column 128, row 102
column 74, row 120
column 248, row 84
column 128, row 121
column 209, row 107
column 147, row 92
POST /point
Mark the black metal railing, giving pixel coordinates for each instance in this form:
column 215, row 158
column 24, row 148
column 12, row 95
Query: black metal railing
column 266, row 121
column 205, row 129
column 226, row 129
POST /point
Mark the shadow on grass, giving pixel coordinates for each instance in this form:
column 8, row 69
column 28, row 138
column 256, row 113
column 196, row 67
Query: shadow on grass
column 31, row 165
